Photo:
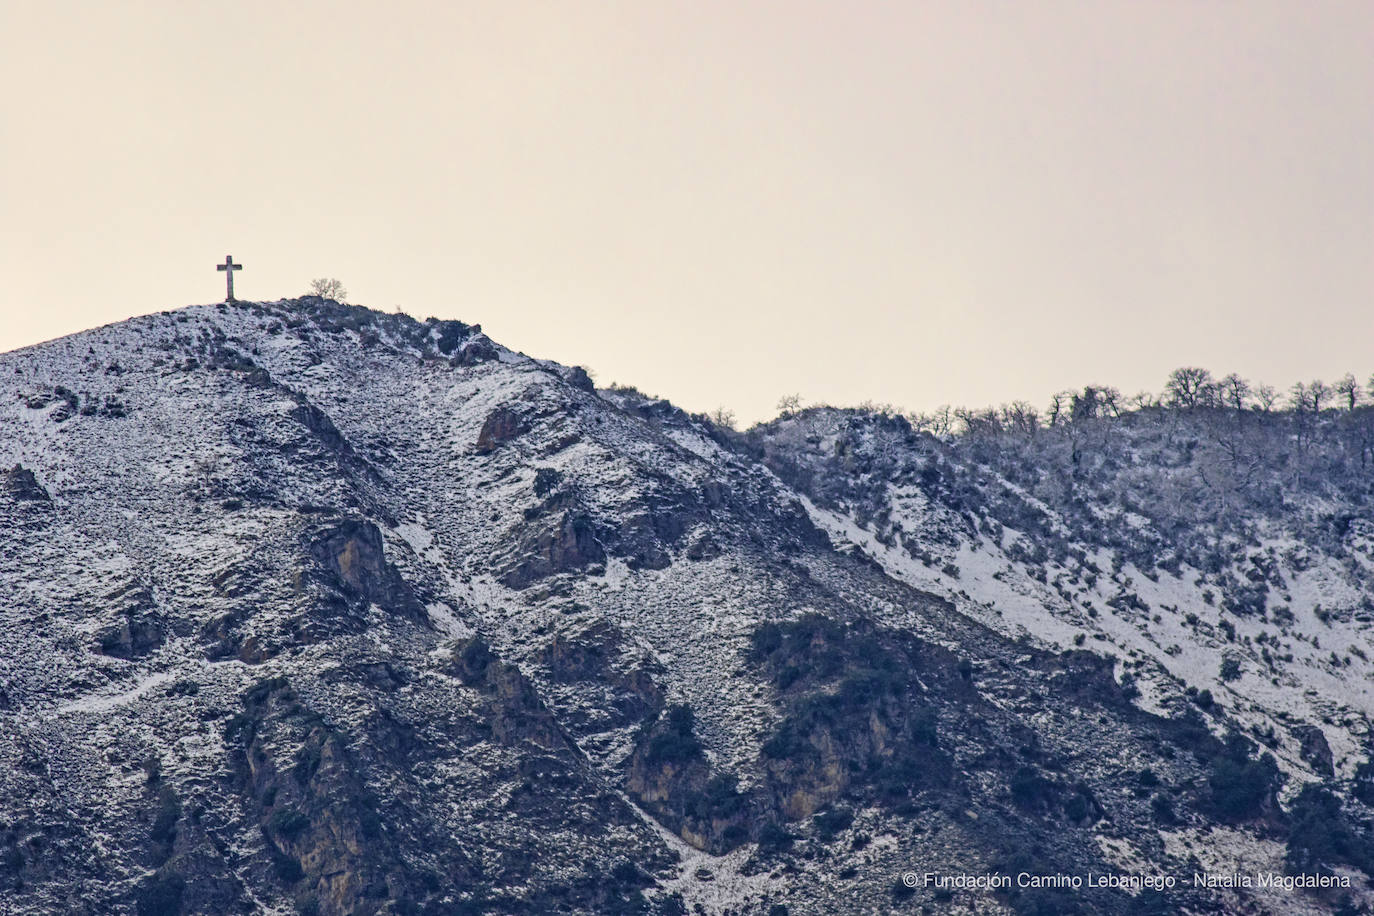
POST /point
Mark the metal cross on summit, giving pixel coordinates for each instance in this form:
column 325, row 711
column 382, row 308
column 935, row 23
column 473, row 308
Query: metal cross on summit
column 229, row 267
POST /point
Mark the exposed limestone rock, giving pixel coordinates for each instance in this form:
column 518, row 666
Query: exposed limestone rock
column 131, row 637
column 319, row 424
column 515, row 711
column 578, row 378
column 668, row 774
column 600, row 665
column 314, row 810
column 474, row 351
column 564, row 544
column 352, row 555
column 501, row 426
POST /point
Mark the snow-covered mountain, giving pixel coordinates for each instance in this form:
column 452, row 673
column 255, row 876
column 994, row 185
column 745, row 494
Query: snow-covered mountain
column 309, row 608
column 1138, row 540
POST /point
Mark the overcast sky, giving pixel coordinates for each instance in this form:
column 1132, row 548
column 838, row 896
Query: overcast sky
column 719, row 202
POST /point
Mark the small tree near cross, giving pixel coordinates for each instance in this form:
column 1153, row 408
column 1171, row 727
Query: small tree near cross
column 328, row 288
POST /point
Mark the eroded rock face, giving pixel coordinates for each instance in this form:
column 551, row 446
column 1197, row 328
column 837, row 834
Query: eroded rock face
column 20, row 483
column 646, row 538
column 312, row 786
column 353, row 558
column 515, row 711
column 131, row 637
column 315, row 814
column 669, row 775
column 137, row 628
column 578, row 378
column 859, row 714
column 477, row 350
column 620, row 684
column 1314, row 749
column 189, row 870
column 572, row 545
column 320, row 426
column 501, row 426
column 562, row 544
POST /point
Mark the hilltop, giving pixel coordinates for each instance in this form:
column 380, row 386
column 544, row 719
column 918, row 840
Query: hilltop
column 310, row 608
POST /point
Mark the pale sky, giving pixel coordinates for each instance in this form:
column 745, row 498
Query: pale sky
column 912, row 202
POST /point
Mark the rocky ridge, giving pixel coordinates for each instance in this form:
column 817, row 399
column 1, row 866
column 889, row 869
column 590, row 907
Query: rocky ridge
column 309, row 608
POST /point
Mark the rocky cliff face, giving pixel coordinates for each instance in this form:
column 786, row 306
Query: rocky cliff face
column 308, row 608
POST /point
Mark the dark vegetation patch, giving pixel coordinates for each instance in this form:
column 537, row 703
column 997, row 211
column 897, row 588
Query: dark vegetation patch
column 1240, row 786
column 1322, row 835
column 160, row 895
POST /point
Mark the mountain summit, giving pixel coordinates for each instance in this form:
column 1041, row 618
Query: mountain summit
column 307, row 608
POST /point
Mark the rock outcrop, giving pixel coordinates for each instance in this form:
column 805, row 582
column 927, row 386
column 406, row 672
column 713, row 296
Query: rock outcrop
column 352, row 557
column 20, row 484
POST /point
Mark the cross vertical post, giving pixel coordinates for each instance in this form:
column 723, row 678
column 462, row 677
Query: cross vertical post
column 229, row 267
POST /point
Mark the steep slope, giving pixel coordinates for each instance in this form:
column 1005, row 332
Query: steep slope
column 308, row 608
column 1138, row 534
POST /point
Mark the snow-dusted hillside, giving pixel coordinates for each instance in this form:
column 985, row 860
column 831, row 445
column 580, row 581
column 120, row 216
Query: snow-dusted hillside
column 308, row 608
column 1281, row 598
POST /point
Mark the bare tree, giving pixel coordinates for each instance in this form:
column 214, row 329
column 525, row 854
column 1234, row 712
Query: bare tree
column 1085, row 406
column 1306, row 401
column 723, row 417
column 1210, row 395
column 789, row 404
column 981, row 422
column 1021, row 417
column 1111, row 400
column 1234, row 391
column 1059, row 403
column 883, row 409
column 1297, row 397
column 328, row 288
column 941, row 421
column 1349, row 389
column 1318, row 393
column 1189, row 387
column 206, row 469
column 1266, row 397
